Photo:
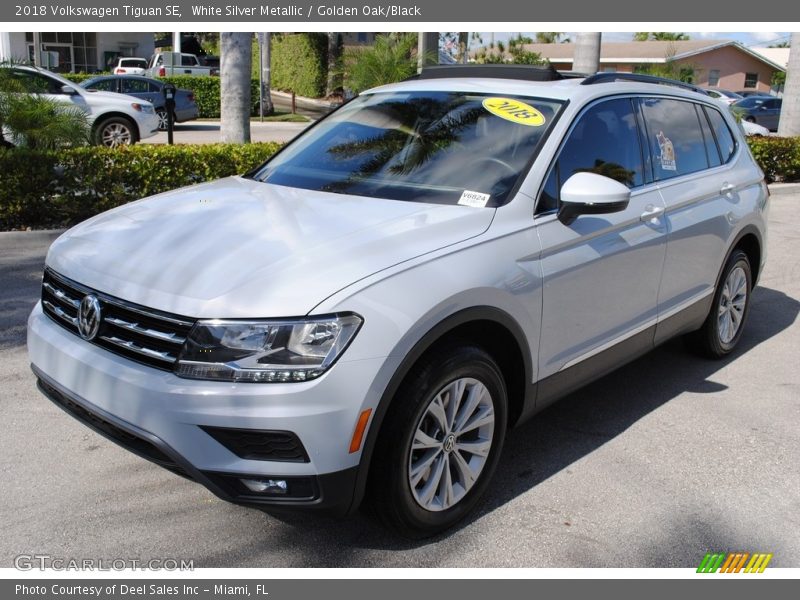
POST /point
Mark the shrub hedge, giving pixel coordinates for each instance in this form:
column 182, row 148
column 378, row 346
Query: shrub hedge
column 779, row 157
column 57, row 189
column 299, row 63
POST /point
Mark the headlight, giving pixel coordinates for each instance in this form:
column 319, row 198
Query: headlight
column 145, row 108
column 265, row 351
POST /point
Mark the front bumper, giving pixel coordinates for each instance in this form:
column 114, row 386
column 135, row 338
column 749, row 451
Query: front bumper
column 162, row 417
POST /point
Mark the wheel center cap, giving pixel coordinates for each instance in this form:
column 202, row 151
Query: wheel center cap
column 449, row 443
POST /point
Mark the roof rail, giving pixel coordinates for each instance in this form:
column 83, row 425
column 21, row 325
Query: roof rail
column 640, row 77
column 523, row 72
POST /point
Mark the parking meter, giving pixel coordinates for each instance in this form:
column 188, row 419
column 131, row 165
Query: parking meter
column 169, row 91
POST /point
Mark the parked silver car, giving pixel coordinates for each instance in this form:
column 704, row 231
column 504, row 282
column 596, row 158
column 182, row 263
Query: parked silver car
column 369, row 311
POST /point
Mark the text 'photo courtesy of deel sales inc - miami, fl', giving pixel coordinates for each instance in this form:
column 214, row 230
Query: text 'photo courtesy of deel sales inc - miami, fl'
column 133, row 11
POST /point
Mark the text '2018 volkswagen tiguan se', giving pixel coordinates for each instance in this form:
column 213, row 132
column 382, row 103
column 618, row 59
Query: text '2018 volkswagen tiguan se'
column 369, row 311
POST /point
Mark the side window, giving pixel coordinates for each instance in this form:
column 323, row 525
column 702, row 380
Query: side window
column 712, row 152
column 105, row 85
column 154, row 88
column 676, row 140
column 725, row 139
column 605, row 140
column 188, row 60
column 134, row 86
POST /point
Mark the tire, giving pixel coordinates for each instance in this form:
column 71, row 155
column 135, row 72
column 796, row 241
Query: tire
column 115, row 131
column 725, row 323
column 750, row 119
column 404, row 489
column 162, row 119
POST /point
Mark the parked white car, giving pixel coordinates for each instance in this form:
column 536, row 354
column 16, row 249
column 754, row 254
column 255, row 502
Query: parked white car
column 753, row 128
column 129, row 65
column 371, row 309
column 116, row 119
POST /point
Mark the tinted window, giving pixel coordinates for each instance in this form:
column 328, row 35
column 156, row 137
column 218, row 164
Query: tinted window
column 605, row 140
column 772, row 104
column 441, row 147
column 712, row 152
column 675, row 137
column 725, row 139
column 134, row 86
column 104, row 85
column 751, row 101
column 188, row 60
column 37, row 82
column 133, row 62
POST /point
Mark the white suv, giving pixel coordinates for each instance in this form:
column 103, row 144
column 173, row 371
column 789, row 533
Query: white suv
column 116, row 119
column 371, row 309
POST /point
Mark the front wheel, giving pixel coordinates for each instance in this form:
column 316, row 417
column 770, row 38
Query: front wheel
column 441, row 441
column 725, row 323
column 115, row 131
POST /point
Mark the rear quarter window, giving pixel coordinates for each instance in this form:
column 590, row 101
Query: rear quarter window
column 725, row 140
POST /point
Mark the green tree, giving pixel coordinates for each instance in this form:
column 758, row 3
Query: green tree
column 392, row 58
column 30, row 119
column 659, row 36
column 548, row 37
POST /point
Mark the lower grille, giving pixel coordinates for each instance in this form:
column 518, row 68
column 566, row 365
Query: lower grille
column 253, row 444
column 145, row 335
column 130, row 442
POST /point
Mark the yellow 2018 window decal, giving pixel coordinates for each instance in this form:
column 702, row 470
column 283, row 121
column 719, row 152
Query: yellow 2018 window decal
column 514, row 111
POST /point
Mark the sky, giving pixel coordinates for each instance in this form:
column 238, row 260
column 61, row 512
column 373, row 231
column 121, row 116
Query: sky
column 751, row 38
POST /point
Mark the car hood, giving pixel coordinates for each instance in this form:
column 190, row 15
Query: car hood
column 100, row 97
column 237, row 248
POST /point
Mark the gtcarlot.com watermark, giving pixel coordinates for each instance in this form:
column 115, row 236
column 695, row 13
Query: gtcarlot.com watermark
column 43, row 562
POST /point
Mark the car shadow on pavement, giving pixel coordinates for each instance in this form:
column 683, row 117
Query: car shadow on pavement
column 20, row 287
column 556, row 438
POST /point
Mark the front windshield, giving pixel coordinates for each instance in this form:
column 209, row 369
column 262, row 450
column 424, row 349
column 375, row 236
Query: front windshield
column 439, row 147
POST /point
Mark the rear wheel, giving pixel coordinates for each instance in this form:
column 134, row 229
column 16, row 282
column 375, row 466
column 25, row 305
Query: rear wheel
column 441, row 441
column 750, row 119
column 725, row 323
column 163, row 119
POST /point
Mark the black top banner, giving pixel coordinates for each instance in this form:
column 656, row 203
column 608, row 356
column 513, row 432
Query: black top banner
column 391, row 11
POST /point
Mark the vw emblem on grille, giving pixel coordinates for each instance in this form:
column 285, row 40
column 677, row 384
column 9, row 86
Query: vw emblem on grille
column 89, row 317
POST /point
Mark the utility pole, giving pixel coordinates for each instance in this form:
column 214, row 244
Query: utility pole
column 789, row 124
column 587, row 53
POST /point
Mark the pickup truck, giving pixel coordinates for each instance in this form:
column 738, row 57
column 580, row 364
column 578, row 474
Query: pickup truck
column 164, row 64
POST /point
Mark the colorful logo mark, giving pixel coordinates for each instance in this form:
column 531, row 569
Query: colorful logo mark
column 734, row 562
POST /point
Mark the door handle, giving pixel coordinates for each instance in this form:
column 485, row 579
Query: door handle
column 651, row 212
column 727, row 189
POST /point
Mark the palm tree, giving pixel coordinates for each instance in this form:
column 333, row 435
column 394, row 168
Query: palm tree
column 236, row 60
column 334, row 67
column 30, row 119
column 587, row 53
column 789, row 124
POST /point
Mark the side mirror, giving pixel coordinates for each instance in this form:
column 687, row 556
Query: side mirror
column 68, row 90
column 591, row 194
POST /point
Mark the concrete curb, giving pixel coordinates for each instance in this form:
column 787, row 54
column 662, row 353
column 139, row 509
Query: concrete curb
column 780, row 189
column 307, row 101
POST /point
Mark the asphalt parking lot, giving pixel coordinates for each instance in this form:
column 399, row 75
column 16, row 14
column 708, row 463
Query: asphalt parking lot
column 654, row 465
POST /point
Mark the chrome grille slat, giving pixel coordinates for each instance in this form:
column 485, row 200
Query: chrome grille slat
column 129, row 345
column 60, row 294
column 56, row 310
column 138, row 333
column 159, row 335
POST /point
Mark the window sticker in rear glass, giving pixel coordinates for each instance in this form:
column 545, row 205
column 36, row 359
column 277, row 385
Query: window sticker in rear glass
column 514, row 111
column 667, row 158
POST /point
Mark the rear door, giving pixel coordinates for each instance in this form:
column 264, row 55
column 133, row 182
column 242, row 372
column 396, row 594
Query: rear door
column 601, row 273
column 692, row 147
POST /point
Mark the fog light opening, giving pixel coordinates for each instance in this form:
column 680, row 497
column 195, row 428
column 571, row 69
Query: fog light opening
column 274, row 487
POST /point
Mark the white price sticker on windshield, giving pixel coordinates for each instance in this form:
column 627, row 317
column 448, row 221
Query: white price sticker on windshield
column 474, row 199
